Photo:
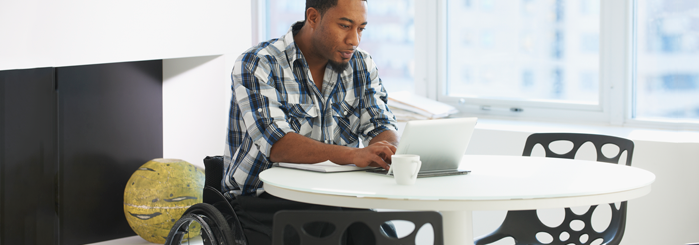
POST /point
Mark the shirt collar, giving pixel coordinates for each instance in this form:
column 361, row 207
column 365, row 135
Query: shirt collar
column 292, row 51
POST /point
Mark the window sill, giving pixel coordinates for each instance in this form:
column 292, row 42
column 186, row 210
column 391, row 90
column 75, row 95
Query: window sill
column 633, row 133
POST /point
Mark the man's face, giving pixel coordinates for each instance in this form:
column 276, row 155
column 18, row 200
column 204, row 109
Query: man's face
column 340, row 31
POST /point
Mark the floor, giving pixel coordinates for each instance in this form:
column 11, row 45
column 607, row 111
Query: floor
column 403, row 228
column 133, row 240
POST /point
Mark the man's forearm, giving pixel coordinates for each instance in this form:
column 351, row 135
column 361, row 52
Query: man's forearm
column 297, row 148
column 389, row 136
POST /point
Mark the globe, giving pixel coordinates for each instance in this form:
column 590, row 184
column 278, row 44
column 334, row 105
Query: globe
column 157, row 195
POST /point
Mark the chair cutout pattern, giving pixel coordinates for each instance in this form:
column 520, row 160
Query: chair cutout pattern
column 341, row 220
column 523, row 226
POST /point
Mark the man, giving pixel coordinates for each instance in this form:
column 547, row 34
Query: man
column 306, row 97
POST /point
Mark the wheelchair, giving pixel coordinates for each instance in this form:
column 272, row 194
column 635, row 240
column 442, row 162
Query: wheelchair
column 219, row 225
column 214, row 221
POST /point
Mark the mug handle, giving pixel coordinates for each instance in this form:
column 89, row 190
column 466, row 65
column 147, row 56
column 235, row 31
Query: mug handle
column 417, row 169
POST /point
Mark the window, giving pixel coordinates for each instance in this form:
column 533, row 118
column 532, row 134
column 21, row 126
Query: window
column 535, row 59
column 626, row 62
column 667, row 56
column 529, row 50
column 389, row 36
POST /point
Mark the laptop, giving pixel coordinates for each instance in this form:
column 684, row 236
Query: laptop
column 440, row 143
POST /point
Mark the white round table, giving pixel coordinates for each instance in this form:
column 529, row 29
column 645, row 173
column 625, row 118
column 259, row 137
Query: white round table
column 495, row 183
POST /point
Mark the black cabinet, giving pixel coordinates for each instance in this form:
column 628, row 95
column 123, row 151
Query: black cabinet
column 28, row 157
column 70, row 139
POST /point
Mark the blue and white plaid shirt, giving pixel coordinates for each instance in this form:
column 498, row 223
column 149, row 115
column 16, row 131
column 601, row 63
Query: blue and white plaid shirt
column 273, row 94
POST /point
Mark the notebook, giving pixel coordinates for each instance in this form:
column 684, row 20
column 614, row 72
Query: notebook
column 325, row 167
column 440, row 143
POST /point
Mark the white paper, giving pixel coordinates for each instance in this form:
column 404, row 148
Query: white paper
column 325, row 167
column 420, row 105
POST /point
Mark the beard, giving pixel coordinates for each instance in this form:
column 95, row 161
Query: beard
column 338, row 67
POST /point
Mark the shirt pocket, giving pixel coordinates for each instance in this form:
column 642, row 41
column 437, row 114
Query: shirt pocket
column 302, row 117
column 346, row 115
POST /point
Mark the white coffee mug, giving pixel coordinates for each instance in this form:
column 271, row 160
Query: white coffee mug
column 405, row 168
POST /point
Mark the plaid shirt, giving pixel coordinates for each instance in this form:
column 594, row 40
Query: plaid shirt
column 273, row 94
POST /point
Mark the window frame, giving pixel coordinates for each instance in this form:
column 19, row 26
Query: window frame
column 259, row 20
column 502, row 109
column 617, row 74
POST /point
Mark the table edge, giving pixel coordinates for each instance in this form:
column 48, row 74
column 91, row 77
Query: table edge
column 455, row 205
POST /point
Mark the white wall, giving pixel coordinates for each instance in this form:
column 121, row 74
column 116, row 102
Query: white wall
column 196, row 99
column 47, row 33
column 669, row 214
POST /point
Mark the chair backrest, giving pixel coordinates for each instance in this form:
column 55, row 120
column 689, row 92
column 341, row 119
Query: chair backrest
column 545, row 139
column 213, row 172
column 341, row 220
column 525, row 225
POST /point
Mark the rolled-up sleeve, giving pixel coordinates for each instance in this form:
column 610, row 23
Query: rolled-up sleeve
column 263, row 116
column 376, row 117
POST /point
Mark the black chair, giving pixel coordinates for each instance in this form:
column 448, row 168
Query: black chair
column 523, row 226
column 340, row 220
column 215, row 216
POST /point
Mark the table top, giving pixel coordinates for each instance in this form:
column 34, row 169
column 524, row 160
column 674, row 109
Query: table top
column 495, row 183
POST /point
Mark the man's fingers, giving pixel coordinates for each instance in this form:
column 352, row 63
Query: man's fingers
column 393, row 148
column 387, row 153
column 384, row 154
column 389, row 145
column 379, row 154
column 379, row 161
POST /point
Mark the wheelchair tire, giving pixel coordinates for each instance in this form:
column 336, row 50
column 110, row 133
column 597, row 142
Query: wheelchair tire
column 214, row 226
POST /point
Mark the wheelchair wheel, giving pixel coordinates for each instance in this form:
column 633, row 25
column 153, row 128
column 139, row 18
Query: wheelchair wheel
column 205, row 218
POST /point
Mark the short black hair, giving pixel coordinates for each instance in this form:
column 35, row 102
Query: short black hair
column 321, row 5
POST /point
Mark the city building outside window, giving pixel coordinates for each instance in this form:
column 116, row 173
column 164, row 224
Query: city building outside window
column 530, row 50
column 667, row 60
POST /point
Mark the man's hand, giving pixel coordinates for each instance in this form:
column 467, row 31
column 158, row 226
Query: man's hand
column 377, row 154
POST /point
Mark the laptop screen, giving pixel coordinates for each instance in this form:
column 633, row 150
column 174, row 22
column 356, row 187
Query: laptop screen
column 441, row 143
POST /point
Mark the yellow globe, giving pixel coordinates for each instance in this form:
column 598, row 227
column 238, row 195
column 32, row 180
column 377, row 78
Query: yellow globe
column 157, row 195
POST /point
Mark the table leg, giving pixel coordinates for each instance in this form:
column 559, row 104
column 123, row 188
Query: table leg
column 458, row 227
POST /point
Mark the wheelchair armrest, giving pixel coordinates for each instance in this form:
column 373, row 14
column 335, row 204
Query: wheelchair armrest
column 213, row 170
